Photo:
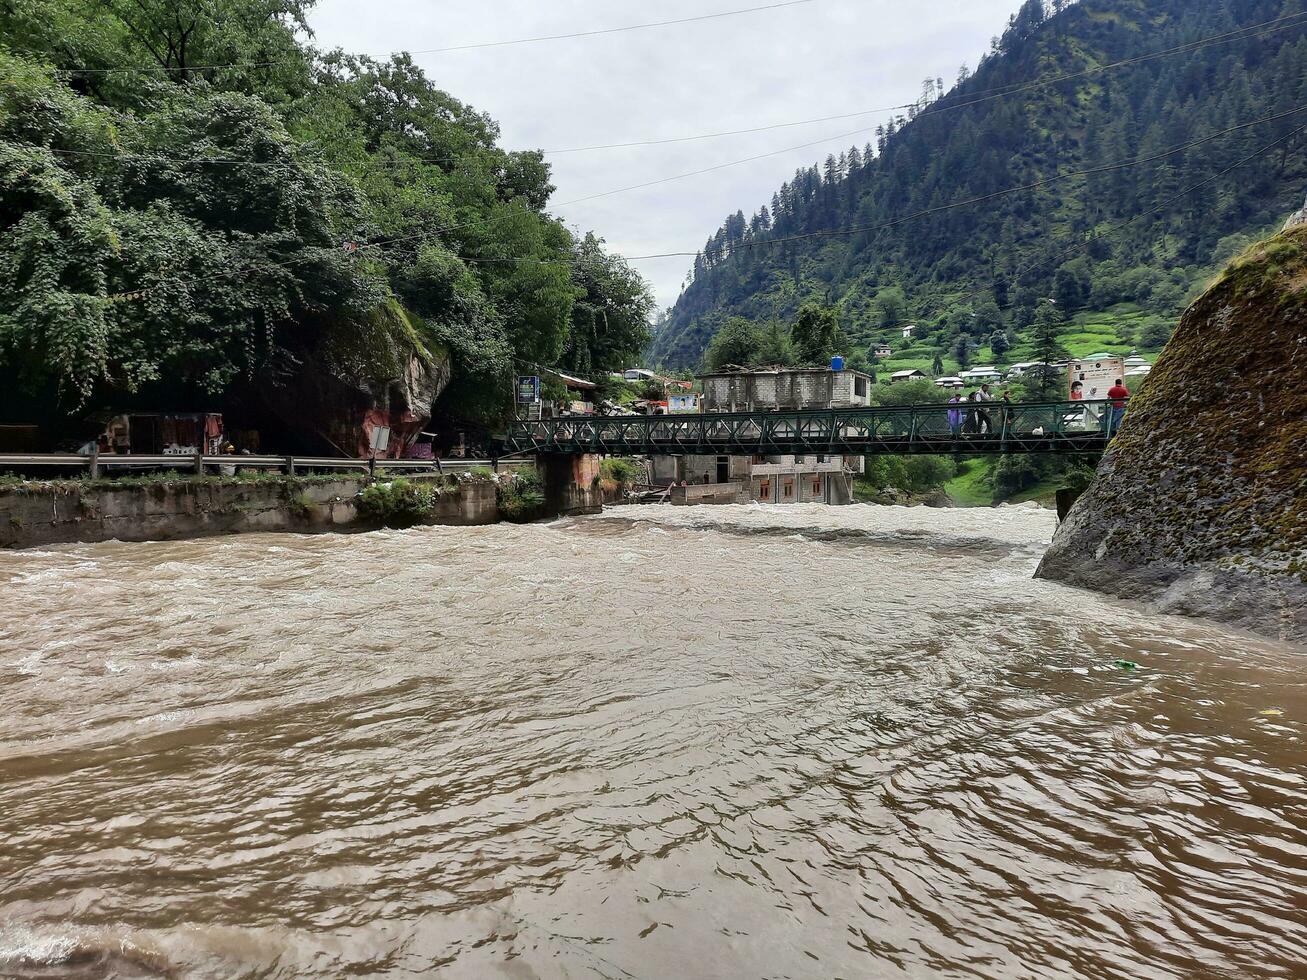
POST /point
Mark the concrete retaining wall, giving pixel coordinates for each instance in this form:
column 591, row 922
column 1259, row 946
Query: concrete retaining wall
column 39, row 514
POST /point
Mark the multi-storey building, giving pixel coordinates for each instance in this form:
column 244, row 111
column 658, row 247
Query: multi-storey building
column 770, row 479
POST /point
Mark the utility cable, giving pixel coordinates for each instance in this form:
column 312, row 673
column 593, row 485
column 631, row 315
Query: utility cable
column 985, row 95
column 928, row 212
column 1251, row 32
column 459, row 47
column 1015, row 278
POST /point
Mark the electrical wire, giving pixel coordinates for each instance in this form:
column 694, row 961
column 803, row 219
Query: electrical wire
column 459, row 47
column 1252, row 32
column 833, row 233
column 1015, row 278
column 928, row 212
column 1078, row 246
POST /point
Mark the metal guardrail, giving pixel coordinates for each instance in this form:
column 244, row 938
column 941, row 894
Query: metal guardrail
column 211, row 465
column 942, row 429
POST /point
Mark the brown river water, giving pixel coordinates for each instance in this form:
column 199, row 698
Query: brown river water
column 737, row 742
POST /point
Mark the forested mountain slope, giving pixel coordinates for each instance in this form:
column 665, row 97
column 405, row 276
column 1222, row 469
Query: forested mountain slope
column 1133, row 240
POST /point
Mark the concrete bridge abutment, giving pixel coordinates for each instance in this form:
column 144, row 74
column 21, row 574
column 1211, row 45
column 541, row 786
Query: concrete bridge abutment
column 571, row 484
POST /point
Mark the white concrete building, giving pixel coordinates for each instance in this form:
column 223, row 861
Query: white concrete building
column 769, row 479
column 779, row 389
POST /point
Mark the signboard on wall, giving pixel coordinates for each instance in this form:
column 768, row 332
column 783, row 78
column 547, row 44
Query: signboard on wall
column 528, row 390
column 380, row 440
column 1093, row 378
column 682, row 404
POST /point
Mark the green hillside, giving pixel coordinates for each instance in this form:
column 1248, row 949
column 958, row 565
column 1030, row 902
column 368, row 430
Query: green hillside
column 1117, row 192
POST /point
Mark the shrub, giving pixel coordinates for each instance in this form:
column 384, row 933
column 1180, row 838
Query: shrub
column 397, row 503
column 521, row 496
column 623, row 472
column 301, row 506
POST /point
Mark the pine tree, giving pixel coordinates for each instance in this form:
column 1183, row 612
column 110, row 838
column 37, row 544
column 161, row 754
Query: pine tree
column 1046, row 339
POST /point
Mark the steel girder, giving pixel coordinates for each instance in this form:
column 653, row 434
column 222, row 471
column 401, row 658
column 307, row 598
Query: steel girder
column 975, row 428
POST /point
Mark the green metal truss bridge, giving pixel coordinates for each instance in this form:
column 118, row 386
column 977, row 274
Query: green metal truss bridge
column 1075, row 428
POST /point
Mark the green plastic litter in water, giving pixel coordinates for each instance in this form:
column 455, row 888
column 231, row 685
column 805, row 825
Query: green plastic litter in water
column 1126, row 665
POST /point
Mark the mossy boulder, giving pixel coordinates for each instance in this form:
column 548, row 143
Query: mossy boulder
column 350, row 374
column 1200, row 504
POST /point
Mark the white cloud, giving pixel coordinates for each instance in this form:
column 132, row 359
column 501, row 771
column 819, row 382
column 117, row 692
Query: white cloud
column 820, row 59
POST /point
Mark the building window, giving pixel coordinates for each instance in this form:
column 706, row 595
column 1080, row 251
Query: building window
column 860, row 387
column 823, row 459
column 789, row 490
column 764, row 490
column 800, row 460
column 816, row 486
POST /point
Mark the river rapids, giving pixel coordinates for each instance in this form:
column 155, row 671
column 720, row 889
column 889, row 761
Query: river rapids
column 657, row 743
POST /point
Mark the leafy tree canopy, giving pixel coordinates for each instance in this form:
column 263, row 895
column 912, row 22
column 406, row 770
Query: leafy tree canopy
column 206, row 218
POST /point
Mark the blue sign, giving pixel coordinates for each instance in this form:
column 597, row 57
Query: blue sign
column 528, row 390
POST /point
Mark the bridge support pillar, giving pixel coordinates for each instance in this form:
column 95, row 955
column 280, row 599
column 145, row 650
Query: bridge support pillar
column 571, row 484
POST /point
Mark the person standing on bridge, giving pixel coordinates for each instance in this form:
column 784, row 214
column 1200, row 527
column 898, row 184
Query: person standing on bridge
column 955, row 415
column 1118, row 395
column 986, row 421
column 1006, row 402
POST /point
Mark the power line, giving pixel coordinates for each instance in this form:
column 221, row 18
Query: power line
column 1250, row 32
column 925, row 213
column 1245, row 33
column 928, row 212
column 1021, row 273
column 462, row 47
column 985, row 95
column 1078, row 246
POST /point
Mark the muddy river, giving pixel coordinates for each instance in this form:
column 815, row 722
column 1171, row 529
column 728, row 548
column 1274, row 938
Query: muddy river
column 660, row 743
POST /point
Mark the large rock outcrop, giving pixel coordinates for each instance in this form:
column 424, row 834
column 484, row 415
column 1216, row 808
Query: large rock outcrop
column 1200, row 505
column 376, row 371
column 1297, row 218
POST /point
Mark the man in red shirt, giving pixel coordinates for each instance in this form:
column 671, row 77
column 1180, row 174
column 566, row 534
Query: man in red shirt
column 1118, row 395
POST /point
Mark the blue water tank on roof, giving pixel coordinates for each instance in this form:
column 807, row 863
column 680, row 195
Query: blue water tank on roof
column 837, row 364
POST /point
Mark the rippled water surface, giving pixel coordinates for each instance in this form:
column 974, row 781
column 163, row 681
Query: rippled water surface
column 738, row 742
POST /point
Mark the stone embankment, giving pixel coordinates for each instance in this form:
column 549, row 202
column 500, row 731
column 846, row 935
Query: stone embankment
column 1200, row 505
column 35, row 514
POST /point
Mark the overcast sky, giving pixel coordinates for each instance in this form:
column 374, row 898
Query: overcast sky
column 822, row 58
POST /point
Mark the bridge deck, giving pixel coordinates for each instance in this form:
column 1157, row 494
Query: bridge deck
column 1045, row 427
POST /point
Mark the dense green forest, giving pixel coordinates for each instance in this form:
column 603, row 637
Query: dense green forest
column 1119, row 248
column 196, row 206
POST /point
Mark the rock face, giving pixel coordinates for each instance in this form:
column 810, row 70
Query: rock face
column 1297, row 218
column 362, row 375
column 1200, row 505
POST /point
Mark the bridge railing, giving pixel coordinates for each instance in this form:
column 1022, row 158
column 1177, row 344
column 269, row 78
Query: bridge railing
column 967, row 427
column 216, row 465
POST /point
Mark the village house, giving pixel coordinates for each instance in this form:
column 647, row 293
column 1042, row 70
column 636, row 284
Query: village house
column 777, row 479
column 898, row 376
column 580, row 394
column 982, row 376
